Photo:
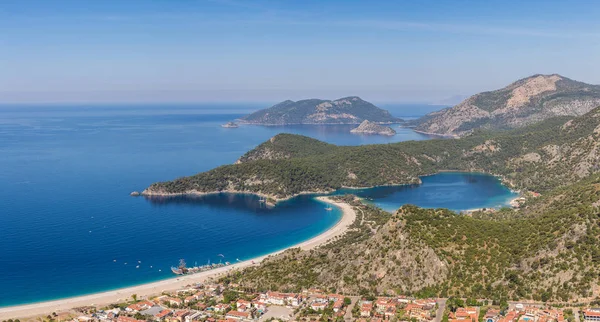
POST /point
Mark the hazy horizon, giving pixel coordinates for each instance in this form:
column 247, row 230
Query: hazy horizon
column 187, row 51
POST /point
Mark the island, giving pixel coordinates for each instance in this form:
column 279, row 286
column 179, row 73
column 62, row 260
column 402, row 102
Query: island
column 347, row 110
column 288, row 165
column 432, row 252
column 367, row 127
column 230, row 125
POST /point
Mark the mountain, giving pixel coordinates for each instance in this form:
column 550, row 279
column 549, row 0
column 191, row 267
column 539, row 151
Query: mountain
column 547, row 250
column 367, row 127
column 452, row 100
column 524, row 102
column 541, row 157
column 348, row 110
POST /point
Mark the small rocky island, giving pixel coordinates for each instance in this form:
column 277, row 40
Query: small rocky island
column 367, row 127
column 230, row 125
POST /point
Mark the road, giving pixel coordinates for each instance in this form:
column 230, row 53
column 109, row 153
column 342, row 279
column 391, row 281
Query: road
column 440, row 311
column 348, row 315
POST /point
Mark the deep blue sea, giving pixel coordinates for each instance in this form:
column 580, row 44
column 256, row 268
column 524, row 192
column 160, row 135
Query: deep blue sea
column 69, row 227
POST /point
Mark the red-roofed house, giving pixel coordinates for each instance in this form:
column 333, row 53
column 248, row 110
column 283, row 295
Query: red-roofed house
column 318, row 306
column 236, row 315
column 338, row 305
column 162, row 314
column 591, row 315
column 365, row 309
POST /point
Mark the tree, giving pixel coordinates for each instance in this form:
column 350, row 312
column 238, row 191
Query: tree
column 134, row 297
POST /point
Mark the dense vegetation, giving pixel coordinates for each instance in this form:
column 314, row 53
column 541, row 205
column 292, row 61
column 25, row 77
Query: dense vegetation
column 348, row 110
column 540, row 157
column 547, row 251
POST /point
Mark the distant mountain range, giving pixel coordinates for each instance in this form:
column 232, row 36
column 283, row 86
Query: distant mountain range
column 348, row 110
column 526, row 101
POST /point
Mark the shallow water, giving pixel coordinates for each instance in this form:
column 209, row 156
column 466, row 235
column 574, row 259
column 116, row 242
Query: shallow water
column 68, row 224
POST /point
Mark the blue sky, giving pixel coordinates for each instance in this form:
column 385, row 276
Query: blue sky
column 236, row 50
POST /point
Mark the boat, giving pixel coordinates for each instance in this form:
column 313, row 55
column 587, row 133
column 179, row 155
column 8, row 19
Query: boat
column 329, row 209
column 230, row 125
column 181, row 269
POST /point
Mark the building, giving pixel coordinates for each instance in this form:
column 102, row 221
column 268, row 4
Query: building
column 338, row 305
column 163, row 314
column 365, row 309
column 237, row 315
column 591, row 315
column 128, row 319
column 275, row 298
column 318, row 306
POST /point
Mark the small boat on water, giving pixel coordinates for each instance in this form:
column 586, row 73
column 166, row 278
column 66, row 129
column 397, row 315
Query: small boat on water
column 230, row 125
column 329, row 209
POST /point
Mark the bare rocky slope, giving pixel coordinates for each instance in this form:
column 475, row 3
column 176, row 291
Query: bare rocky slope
column 519, row 104
column 348, row 110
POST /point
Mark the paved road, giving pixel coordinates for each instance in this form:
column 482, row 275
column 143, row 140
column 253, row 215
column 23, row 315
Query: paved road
column 440, row 312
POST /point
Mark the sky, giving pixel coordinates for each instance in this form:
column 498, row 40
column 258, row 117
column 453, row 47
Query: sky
column 267, row 51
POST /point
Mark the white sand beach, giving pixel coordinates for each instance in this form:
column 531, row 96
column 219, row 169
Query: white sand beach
column 155, row 288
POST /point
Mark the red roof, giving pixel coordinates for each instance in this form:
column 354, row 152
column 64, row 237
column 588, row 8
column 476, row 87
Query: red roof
column 163, row 313
column 592, row 313
column 238, row 314
column 126, row 319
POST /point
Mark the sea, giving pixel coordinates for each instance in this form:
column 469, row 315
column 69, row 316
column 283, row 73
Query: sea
column 69, row 227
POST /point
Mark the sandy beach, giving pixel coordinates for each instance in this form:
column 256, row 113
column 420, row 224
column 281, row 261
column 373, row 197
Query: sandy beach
column 145, row 290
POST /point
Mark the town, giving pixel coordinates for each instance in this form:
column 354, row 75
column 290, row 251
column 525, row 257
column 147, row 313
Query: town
column 215, row 302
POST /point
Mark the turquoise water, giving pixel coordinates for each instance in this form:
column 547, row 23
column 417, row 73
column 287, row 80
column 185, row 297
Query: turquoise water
column 68, row 224
column 453, row 190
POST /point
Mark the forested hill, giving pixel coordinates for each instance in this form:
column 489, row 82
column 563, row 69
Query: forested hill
column 549, row 250
column 524, row 102
column 549, row 154
column 348, row 110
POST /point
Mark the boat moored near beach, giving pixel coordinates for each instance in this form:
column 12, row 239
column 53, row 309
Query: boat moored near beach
column 182, row 269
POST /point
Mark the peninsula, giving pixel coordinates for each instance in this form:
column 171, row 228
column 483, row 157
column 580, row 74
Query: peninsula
column 436, row 252
column 367, row 127
column 559, row 151
column 348, row 110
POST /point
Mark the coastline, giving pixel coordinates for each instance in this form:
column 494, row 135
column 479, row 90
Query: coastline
column 172, row 284
column 446, row 136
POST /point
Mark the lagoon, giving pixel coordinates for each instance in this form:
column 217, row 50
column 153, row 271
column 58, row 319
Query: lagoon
column 69, row 227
